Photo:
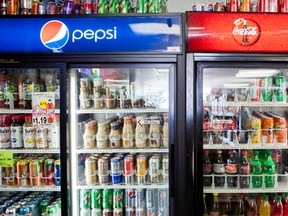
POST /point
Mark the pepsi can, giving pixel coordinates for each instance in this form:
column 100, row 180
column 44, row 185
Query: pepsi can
column 68, row 7
column 140, row 212
column 140, row 198
column 151, row 211
column 130, row 212
column 151, row 198
column 162, row 198
column 130, row 198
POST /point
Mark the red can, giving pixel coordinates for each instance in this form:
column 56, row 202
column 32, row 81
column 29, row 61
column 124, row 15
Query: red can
column 263, row 6
column 284, row 6
column 51, row 8
column 34, row 9
column 48, row 172
column 233, row 7
column 13, row 7
column 128, row 165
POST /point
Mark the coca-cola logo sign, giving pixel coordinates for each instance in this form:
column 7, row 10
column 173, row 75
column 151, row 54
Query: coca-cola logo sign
column 245, row 32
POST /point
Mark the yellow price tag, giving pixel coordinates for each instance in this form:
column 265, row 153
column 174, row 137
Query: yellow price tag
column 43, row 104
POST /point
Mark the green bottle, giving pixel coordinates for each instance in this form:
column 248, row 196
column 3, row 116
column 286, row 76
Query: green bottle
column 256, row 170
column 269, row 169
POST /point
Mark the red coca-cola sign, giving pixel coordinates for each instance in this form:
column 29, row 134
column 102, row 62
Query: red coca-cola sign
column 245, row 32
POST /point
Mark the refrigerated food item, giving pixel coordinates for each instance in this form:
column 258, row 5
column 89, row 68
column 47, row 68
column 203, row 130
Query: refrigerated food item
column 57, row 172
column 141, row 169
column 129, row 169
column 154, row 132
column 35, row 172
column 53, row 134
column 128, row 133
column 219, row 169
column 29, row 133
column 91, row 170
column 89, row 135
column 16, row 133
column 244, row 170
column 115, row 135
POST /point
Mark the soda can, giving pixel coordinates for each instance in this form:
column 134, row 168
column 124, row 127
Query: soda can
column 115, row 165
column 129, row 169
column 107, row 212
column 3, row 11
column 141, row 170
column 130, row 197
column 103, row 170
column 153, row 6
column 96, row 212
column 280, row 93
column 130, row 212
column 163, row 211
column 140, row 198
column 140, row 212
column 107, row 199
column 57, row 172
column 68, row 7
column 141, row 6
column 118, row 198
column 43, row 205
column 51, row 210
column 118, row 212
column 151, row 198
column 103, row 6
column 163, row 198
column 266, row 91
column 124, row 6
column 114, row 7
column 58, row 205
column 11, row 211
column 51, row 8
column 35, row 173
column 165, row 168
column 9, row 203
column 255, row 129
column 41, row 8
column 22, row 173
column 3, row 4
column 151, row 211
column 154, row 169
column 26, row 4
column 48, row 172
column 34, row 8
column 13, row 7
column 97, row 198
column 163, row 6
column 77, row 8
column 85, row 199
column 87, row 6
column 91, row 170
column 85, row 212
column 255, row 91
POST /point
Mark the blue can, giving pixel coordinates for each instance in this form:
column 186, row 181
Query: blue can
column 68, row 7
column 25, row 210
column 116, row 178
column 9, row 203
column 57, row 172
column 140, row 201
column 2, row 210
column 115, row 166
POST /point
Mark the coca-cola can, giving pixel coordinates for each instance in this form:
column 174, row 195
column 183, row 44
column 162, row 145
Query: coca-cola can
column 95, row 6
column 129, row 169
column 51, row 8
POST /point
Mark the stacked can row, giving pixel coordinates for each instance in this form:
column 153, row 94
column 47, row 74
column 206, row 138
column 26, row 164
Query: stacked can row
column 117, row 201
column 26, row 203
column 18, row 132
column 127, row 132
column 12, row 7
column 32, row 170
column 131, row 169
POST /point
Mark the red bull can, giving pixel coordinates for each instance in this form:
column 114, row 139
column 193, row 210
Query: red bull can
column 57, row 172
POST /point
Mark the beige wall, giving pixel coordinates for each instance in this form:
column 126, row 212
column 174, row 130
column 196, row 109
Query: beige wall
column 181, row 5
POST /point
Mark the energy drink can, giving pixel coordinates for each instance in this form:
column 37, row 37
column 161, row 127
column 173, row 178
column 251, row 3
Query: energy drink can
column 57, row 172
column 22, row 173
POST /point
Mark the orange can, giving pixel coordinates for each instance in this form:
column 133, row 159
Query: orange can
column 280, row 129
column 35, row 171
column 22, row 173
column 267, row 129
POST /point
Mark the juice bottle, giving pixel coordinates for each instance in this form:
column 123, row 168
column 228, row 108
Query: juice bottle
column 256, row 170
column 269, row 169
column 16, row 133
column 41, row 137
column 259, row 199
column 28, row 133
column 265, row 208
column 273, row 200
column 250, row 206
column 5, row 133
column 285, row 205
column 50, row 110
column 215, row 206
column 278, row 207
column 53, row 134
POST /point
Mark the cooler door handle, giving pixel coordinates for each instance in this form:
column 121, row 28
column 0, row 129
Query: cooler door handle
column 172, row 171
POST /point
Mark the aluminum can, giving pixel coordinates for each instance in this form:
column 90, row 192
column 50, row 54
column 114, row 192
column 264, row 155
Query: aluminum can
column 91, row 170
column 118, row 198
column 107, row 212
column 26, row 4
column 11, row 211
column 68, row 7
column 43, row 205
column 41, row 8
column 87, row 7
column 151, row 198
column 35, row 173
column 3, row 11
column 141, row 170
column 113, row 7
column 85, row 199
column 130, row 212
column 163, row 6
column 77, row 8
column 266, row 91
column 163, row 198
column 129, row 169
column 3, row 4
column 255, row 129
column 34, row 9
column 51, row 8
column 9, row 203
column 103, row 6
column 58, row 205
column 95, row 6
column 51, row 210
column 140, row 200
column 48, row 172
column 103, row 170
column 154, row 169
column 255, row 91
column 140, row 212
column 280, row 93
column 107, row 199
column 208, row 7
column 85, row 212
column 151, row 211
column 115, row 165
column 118, row 212
column 22, row 173
column 96, row 212
column 124, row 6
column 141, row 6
column 130, row 196
column 57, row 172
column 165, row 168
column 163, row 211
column 198, row 7
column 97, row 198
column 13, row 7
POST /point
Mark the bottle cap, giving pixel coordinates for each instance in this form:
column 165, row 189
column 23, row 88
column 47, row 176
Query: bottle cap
column 28, row 117
column 215, row 194
column 279, row 197
column 245, row 152
column 15, row 117
column 265, row 197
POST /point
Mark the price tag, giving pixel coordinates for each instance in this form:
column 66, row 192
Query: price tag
column 43, row 108
column 6, row 159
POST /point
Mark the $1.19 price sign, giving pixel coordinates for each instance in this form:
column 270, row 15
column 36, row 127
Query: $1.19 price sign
column 43, row 110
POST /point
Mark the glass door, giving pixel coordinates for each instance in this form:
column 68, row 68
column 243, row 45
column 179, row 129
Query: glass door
column 245, row 140
column 30, row 163
column 120, row 139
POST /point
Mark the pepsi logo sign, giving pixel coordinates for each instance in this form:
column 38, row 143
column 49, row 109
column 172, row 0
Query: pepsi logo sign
column 54, row 35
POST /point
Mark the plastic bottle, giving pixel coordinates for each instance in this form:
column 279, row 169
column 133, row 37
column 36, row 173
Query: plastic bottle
column 5, row 133
column 53, row 134
column 240, row 206
column 215, row 206
column 256, row 167
column 260, row 199
column 228, row 208
column 265, row 208
column 250, row 206
column 207, row 169
column 231, row 168
column 219, row 169
column 16, row 133
column 277, row 209
column 28, row 133
column 244, row 170
column 205, row 211
column 269, row 168
column 285, row 205
column 41, row 137
column 50, row 110
column 28, row 87
column 128, row 133
column 273, row 200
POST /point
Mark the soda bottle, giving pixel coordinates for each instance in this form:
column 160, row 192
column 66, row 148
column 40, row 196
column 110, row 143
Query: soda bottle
column 5, row 132
column 219, row 169
column 215, row 206
column 250, row 206
column 205, row 211
column 244, row 170
column 265, row 208
column 207, row 169
column 228, row 208
column 269, row 169
column 240, row 206
column 285, row 205
column 231, row 168
column 277, row 209
column 256, row 170
column 16, row 133
column 50, row 110
column 28, row 133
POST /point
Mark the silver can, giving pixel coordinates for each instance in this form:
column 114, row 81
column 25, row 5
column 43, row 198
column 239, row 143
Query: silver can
column 154, row 169
column 163, row 211
column 103, row 170
column 140, row 198
column 151, row 198
column 140, row 212
column 163, row 198
column 41, row 8
column 130, row 212
column 26, row 4
column 151, row 211
column 130, row 198
column 165, row 168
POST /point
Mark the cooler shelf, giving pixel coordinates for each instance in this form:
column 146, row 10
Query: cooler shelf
column 122, row 150
column 251, row 104
column 18, row 111
column 105, row 111
column 83, row 185
column 33, row 151
column 254, row 190
column 244, row 146
column 29, row 188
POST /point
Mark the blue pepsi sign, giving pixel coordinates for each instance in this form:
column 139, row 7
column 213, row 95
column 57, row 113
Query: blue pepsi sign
column 91, row 34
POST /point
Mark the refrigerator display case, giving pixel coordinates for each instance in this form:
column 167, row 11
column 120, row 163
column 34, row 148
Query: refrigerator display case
column 121, row 110
column 237, row 131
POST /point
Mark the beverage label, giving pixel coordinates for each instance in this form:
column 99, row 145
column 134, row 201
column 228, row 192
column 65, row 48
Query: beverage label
column 16, row 136
column 53, row 136
column 41, row 137
column 27, row 89
column 29, row 137
column 207, row 169
column 245, row 169
column 218, row 168
column 256, row 170
column 5, row 137
column 214, row 213
column 231, row 168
